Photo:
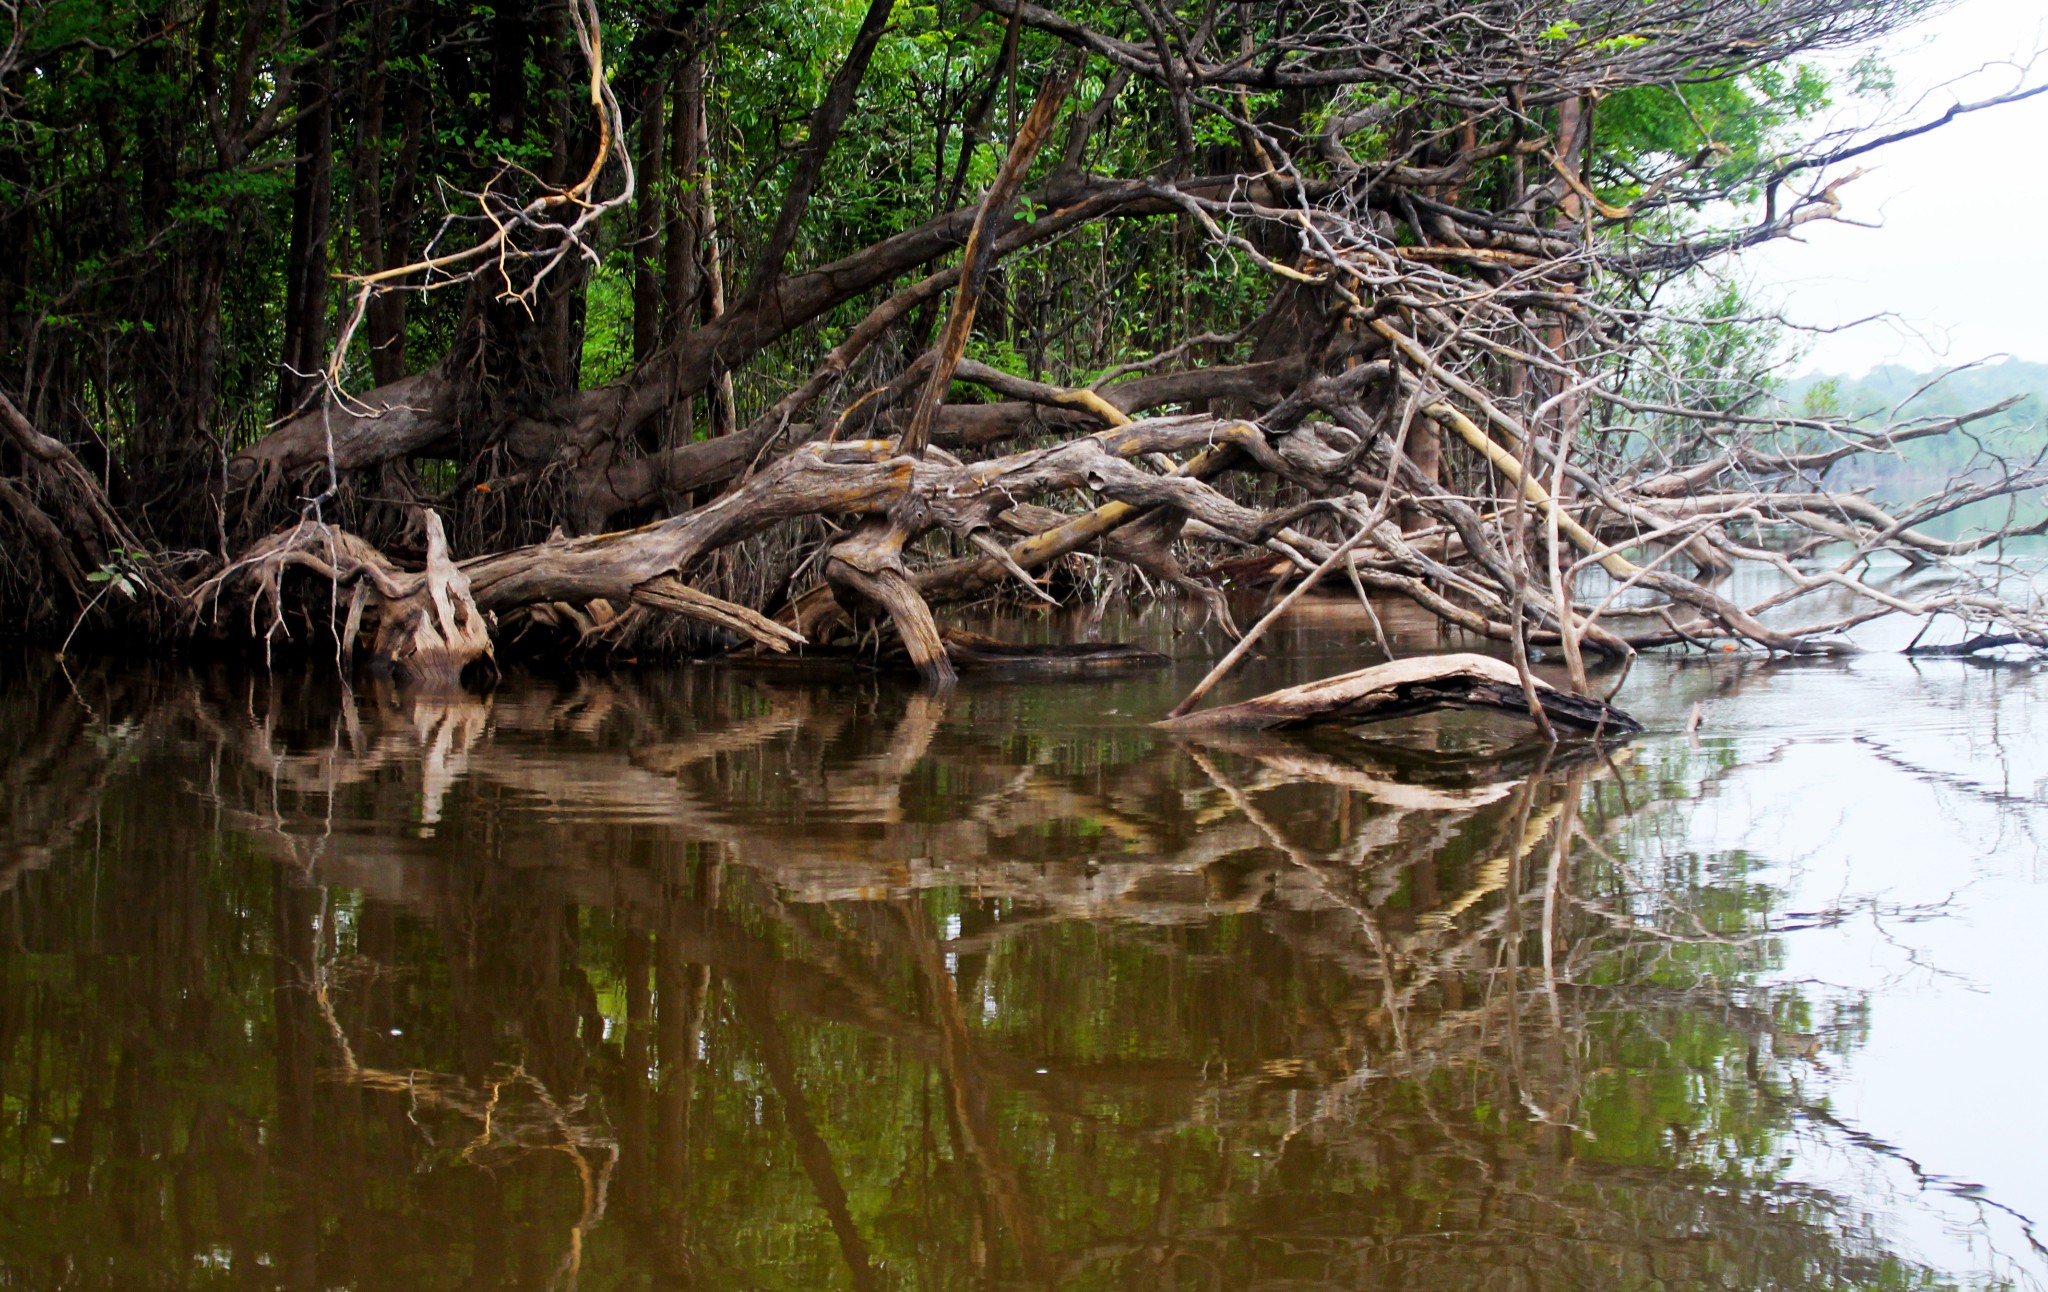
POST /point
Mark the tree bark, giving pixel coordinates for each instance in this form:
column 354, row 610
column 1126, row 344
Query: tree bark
column 305, row 285
column 648, row 221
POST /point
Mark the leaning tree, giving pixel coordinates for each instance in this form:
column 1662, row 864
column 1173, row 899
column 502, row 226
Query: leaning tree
column 398, row 328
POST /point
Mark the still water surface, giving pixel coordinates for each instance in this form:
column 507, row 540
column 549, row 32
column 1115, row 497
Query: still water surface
column 723, row 979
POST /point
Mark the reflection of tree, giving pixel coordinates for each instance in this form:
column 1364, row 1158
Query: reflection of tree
column 513, row 1114
column 55, row 771
column 704, row 983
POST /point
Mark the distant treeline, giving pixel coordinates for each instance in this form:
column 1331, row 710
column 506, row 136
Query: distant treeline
column 1902, row 396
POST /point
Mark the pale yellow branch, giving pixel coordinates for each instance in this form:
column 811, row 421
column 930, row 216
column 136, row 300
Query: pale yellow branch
column 1504, row 462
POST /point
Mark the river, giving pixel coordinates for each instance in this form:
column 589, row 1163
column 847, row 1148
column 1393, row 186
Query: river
column 718, row 977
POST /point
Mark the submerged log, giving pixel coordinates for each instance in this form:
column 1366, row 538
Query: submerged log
column 1405, row 687
column 968, row 653
column 973, row 652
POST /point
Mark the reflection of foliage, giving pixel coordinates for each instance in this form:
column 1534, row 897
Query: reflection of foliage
column 903, row 1001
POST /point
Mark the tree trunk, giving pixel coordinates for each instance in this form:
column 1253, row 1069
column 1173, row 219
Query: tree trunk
column 682, row 271
column 305, row 283
column 386, row 318
column 647, row 223
column 724, row 415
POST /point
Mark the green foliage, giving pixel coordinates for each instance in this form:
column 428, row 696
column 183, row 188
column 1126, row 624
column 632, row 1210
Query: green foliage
column 1714, row 352
column 1821, row 398
column 608, row 321
column 122, row 572
column 158, row 195
column 1726, row 127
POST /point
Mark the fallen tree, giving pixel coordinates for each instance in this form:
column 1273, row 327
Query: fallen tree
column 1442, row 369
column 1404, row 687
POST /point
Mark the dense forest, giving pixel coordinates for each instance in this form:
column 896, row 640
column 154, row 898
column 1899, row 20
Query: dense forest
column 436, row 332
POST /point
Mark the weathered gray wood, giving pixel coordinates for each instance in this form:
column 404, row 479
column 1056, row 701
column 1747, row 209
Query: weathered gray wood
column 666, row 592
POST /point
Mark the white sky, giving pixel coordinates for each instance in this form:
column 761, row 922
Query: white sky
column 1961, row 259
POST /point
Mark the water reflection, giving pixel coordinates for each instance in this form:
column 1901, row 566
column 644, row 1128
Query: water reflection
column 704, row 980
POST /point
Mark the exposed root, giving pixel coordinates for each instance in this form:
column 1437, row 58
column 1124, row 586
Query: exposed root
column 1458, row 390
column 433, row 633
column 67, row 550
column 1155, row 482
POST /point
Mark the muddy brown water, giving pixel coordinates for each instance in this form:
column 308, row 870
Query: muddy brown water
column 712, row 978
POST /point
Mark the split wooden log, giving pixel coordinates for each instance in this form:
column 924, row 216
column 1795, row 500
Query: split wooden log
column 1409, row 686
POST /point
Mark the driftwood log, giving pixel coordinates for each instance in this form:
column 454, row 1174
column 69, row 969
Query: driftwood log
column 1409, row 686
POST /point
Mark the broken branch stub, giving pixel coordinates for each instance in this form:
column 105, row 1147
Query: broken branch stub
column 1404, row 687
column 435, row 632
